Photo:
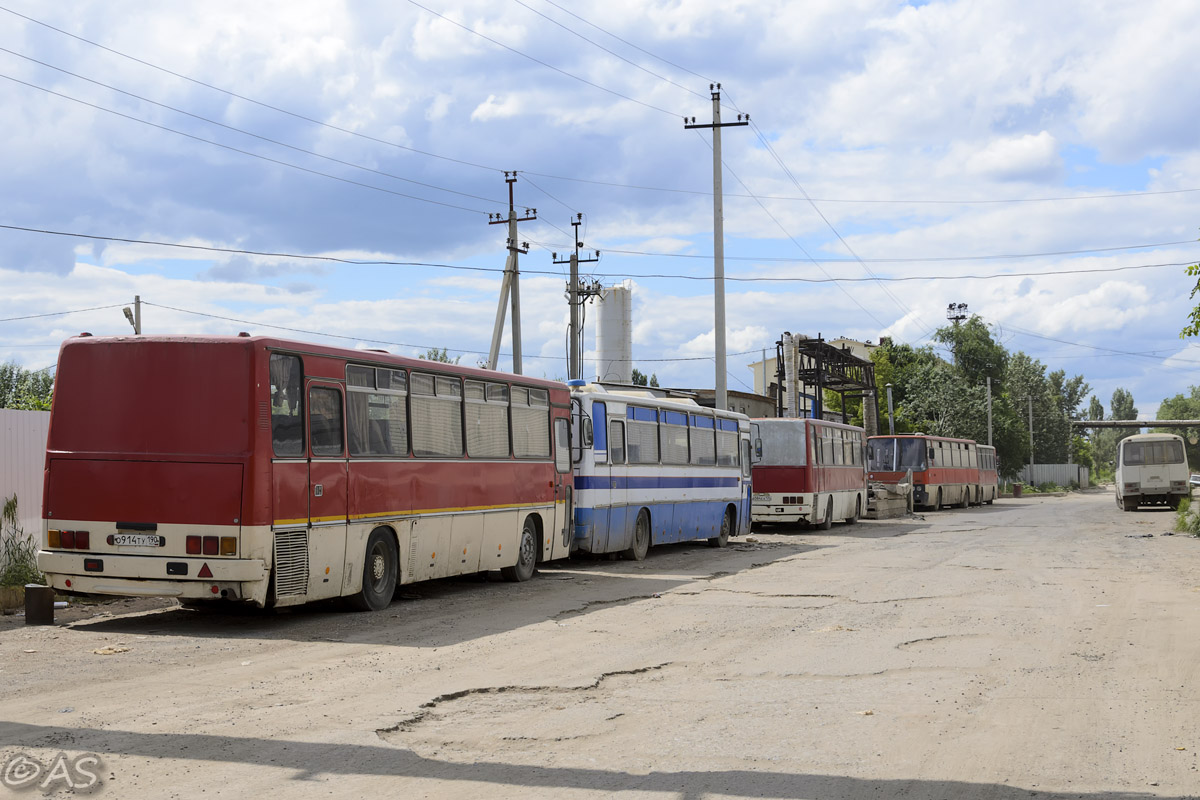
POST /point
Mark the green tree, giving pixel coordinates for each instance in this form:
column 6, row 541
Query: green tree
column 1183, row 406
column 442, row 356
column 25, row 389
column 640, row 379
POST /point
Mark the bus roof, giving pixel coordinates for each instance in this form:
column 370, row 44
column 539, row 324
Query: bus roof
column 357, row 355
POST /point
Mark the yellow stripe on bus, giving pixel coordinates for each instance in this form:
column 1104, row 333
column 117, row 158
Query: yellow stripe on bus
column 415, row 512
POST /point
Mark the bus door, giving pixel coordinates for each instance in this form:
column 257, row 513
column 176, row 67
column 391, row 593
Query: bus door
column 744, row 510
column 601, row 484
column 562, row 530
column 327, row 483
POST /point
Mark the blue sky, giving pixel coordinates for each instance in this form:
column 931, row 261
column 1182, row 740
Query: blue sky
column 930, row 138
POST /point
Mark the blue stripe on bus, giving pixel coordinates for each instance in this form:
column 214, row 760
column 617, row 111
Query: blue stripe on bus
column 652, row 482
column 674, row 418
column 728, row 424
column 701, row 422
column 610, row 530
column 644, row 414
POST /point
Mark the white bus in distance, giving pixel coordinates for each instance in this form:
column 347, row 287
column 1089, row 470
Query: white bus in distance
column 1152, row 469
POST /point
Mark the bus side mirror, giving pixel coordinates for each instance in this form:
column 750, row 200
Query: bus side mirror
column 931, row 454
column 870, row 451
column 758, row 449
column 587, row 432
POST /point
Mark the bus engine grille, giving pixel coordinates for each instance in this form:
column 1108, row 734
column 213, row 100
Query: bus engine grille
column 291, row 563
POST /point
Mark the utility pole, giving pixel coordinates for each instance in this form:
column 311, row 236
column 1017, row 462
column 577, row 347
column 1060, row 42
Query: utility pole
column 511, row 281
column 989, row 395
column 1031, row 434
column 891, row 417
column 135, row 316
column 722, row 398
column 576, row 294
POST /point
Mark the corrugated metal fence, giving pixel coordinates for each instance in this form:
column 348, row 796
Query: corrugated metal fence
column 22, row 461
column 1058, row 474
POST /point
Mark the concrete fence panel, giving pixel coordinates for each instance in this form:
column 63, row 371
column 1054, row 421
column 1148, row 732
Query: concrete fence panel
column 22, row 462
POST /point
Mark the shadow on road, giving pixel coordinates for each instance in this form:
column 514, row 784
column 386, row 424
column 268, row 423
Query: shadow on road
column 310, row 760
column 453, row 610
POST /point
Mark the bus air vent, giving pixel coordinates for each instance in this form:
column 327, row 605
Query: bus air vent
column 291, row 563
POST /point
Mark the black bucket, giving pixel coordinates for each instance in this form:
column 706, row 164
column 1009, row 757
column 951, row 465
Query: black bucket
column 39, row 604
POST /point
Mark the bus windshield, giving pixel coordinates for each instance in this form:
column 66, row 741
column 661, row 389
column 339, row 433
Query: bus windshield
column 912, row 454
column 882, row 455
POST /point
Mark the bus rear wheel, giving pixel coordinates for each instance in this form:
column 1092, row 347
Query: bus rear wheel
column 722, row 539
column 965, row 500
column 380, row 568
column 641, row 538
column 526, row 555
column 857, row 511
column 937, row 503
column 827, row 523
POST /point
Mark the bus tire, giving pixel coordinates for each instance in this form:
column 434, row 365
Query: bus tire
column 641, row 538
column 857, row 510
column 965, row 499
column 527, row 553
column 380, row 570
column 827, row 523
column 937, row 503
column 722, row 539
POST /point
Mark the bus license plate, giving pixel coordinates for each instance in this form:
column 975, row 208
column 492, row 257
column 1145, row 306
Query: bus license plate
column 136, row 540
column 763, row 496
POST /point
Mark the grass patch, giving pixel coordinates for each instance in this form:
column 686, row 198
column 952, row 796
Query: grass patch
column 18, row 553
column 1186, row 520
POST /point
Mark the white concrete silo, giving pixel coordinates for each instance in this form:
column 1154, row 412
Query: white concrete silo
column 614, row 334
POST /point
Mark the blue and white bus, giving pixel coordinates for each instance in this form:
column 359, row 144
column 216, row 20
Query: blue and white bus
column 656, row 470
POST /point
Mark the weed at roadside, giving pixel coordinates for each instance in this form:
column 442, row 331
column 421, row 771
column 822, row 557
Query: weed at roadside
column 18, row 553
column 1187, row 521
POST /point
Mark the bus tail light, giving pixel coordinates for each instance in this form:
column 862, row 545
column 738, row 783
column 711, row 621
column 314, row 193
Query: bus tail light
column 68, row 539
column 211, row 546
column 53, row 538
column 229, row 545
column 82, row 540
column 1132, row 487
column 193, row 545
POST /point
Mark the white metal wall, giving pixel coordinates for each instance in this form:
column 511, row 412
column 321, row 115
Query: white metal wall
column 22, row 461
column 1058, row 474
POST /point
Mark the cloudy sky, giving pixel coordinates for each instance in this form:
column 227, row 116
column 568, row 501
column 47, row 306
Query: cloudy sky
column 1037, row 161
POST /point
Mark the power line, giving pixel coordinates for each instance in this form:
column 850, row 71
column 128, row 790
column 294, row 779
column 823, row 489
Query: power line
column 239, row 150
column 610, row 52
column 248, row 99
column 543, row 63
column 468, row 268
column 248, row 133
column 60, row 313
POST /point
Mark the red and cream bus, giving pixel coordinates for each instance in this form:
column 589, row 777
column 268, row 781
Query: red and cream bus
column 945, row 471
column 276, row 473
column 807, row 470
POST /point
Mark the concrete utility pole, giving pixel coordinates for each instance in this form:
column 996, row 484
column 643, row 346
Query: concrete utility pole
column 989, row 395
column 1031, row 433
column 722, row 399
column 135, row 316
column 576, row 294
column 511, row 281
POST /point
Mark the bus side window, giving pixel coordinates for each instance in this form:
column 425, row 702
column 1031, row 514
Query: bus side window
column 616, row 442
column 287, row 407
column 325, row 421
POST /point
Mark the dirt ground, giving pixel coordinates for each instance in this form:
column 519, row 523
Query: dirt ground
column 1042, row 647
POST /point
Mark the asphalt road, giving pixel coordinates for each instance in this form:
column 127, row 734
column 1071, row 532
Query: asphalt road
column 1042, row 647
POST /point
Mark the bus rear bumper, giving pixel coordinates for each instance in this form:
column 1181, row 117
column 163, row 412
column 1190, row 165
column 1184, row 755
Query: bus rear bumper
column 139, row 576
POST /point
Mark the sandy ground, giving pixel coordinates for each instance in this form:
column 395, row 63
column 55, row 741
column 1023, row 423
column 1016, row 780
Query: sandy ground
column 1034, row 648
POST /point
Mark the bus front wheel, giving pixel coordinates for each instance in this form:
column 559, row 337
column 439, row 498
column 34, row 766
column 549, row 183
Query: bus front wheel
column 641, row 538
column 379, row 573
column 857, row 511
column 827, row 523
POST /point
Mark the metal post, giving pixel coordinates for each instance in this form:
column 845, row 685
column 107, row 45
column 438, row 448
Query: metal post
column 137, row 315
column 891, row 418
column 989, row 401
column 516, row 287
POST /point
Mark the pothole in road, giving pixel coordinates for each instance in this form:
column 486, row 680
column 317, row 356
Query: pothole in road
column 485, row 718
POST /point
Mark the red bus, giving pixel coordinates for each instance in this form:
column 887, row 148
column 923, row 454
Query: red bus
column 275, row 472
column 945, row 471
column 807, row 470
